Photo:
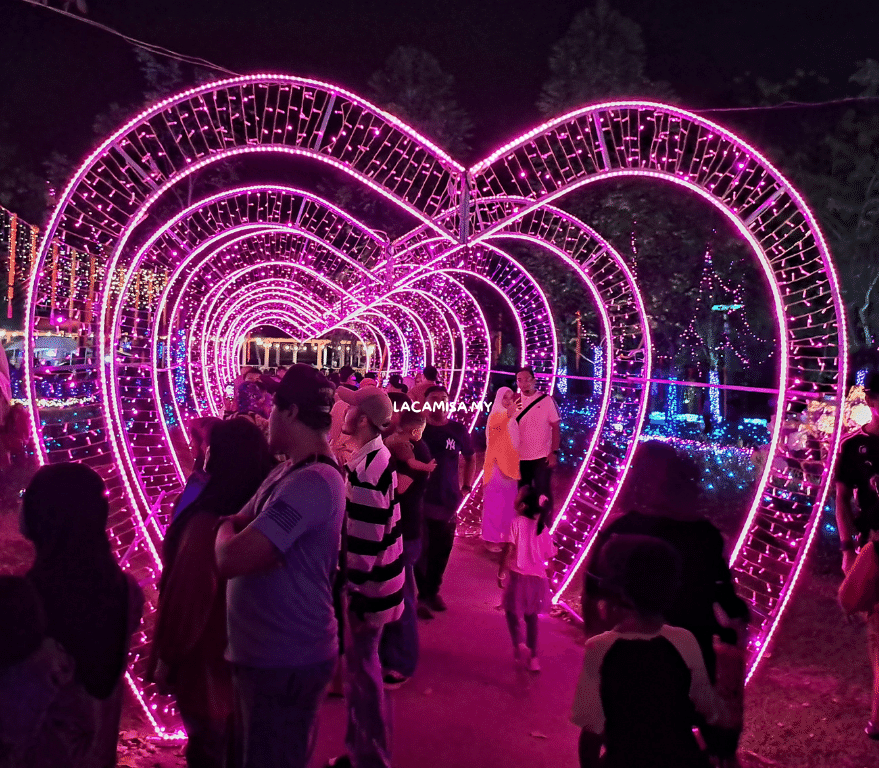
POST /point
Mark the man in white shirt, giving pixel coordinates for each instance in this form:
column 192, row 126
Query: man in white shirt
column 536, row 433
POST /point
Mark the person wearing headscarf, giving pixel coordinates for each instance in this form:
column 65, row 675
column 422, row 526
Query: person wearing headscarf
column 190, row 635
column 92, row 607
column 500, row 473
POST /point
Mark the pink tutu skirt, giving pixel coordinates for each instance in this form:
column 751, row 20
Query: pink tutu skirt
column 526, row 595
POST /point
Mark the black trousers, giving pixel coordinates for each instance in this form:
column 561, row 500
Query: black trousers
column 438, row 540
column 538, row 474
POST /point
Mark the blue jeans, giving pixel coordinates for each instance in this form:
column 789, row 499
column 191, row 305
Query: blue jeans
column 276, row 713
column 398, row 649
column 368, row 738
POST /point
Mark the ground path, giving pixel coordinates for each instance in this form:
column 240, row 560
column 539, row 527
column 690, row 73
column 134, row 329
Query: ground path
column 469, row 704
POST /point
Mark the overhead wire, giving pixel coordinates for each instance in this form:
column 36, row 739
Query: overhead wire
column 149, row 47
column 794, row 105
column 200, row 62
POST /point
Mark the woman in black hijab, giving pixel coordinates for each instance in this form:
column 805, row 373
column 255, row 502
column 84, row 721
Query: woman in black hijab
column 190, row 634
column 91, row 606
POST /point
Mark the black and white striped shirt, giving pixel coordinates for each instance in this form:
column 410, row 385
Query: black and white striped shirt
column 375, row 535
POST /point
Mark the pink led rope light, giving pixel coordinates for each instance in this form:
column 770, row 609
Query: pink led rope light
column 175, row 309
column 205, row 251
column 109, row 394
column 155, row 339
column 312, row 311
column 34, row 286
column 219, row 307
column 409, row 285
column 225, row 342
column 32, row 289
column 764, row 262
column 781, row 324
column 224, row 197
column 780, row 314
column 439, row 263
column 481, row 365
column 608, row 334
column 569, row 573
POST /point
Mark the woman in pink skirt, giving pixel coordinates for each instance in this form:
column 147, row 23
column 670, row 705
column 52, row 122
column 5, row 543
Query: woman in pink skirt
column 522, row 573
column 501, row 472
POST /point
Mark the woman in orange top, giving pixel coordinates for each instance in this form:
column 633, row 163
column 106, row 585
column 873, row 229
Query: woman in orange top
column 501, row 472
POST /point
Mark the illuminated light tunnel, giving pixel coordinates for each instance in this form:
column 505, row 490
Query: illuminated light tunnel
column 269, row 254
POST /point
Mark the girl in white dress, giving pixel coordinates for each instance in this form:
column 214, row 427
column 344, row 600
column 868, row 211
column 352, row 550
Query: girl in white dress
column 522, row 573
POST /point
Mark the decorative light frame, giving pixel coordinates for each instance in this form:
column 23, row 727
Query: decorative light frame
column 465, row 217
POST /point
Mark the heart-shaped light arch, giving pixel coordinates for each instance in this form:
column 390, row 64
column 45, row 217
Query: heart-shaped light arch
column 465, row 219
column 648, row 140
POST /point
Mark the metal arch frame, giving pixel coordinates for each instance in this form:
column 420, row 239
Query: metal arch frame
column 464, row 254
column 562, row 224
column 222, row 301
column 203, row 249
column 475, row 336
column 213, row 310
column 137, row 216
column 181, row 292
column 204, row 253
column 635, row 305
column 180, row 296
column 756, row 212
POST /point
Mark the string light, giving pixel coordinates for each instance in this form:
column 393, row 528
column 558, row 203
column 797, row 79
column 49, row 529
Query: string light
column 168, row 307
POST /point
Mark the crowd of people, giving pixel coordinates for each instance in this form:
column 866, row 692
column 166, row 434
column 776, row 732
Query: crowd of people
column 310, row 556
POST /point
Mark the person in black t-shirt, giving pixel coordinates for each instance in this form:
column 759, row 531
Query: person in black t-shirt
column 643, row 685
column 660, row 496
column 447, row 441
column 857, row 478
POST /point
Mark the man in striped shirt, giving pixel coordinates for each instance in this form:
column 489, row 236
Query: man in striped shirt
column 375, row 575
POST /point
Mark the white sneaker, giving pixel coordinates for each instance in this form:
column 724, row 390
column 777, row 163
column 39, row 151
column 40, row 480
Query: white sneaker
column 534, row 664
column 522, row 653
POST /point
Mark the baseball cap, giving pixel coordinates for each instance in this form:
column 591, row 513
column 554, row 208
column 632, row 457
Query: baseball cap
column 372, row 402
column 306, row 387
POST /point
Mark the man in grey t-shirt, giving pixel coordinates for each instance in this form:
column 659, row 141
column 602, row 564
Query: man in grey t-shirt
column 280, row 554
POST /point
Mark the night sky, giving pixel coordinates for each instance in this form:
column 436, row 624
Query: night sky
column 58, row 73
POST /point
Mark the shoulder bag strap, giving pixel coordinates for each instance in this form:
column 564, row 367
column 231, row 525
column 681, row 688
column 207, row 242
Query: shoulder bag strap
column 529, row 407
column 315, row 458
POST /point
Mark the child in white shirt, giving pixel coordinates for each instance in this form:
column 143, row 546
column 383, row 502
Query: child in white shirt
column 522, row 573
